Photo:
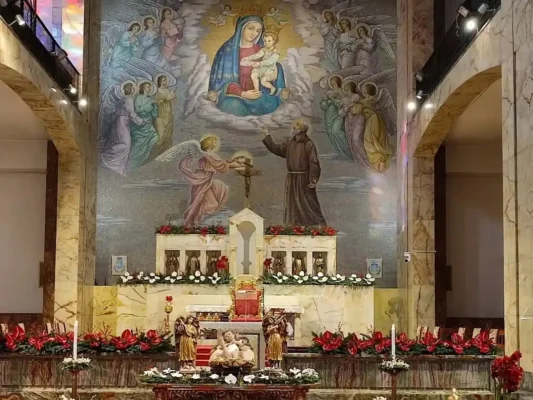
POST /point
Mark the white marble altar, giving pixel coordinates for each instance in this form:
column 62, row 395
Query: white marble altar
column 324, row 307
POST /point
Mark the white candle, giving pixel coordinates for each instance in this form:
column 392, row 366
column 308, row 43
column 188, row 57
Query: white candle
column 393, row 341
column 75, row 344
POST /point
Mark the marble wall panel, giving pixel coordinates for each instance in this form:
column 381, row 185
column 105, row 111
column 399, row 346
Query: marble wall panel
column 72, row 137
column 105, row 302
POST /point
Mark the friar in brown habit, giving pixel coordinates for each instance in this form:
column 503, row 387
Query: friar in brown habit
column 303, row 171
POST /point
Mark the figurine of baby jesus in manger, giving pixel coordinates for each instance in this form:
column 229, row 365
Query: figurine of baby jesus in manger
column 232, row 354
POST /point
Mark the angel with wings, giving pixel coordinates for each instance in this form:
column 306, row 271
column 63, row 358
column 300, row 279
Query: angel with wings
column 116, row 52
column 220, row 19
column 117, row 114
column 379, row 112
column 372, row 46
column 208, row 195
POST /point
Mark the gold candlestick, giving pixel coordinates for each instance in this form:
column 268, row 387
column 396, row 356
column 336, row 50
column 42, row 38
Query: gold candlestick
column 168, row 310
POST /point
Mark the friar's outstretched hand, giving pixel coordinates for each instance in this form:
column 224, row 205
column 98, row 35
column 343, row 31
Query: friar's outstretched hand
column 265, row 131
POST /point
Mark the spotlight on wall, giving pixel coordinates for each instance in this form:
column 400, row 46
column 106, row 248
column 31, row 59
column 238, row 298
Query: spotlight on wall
column 419, row 76
column 54, row 90
column 463, row 11
column 471, row 24
column 18, row 20
column 72, row 89
column 419, row 95
column 81, row 102
column 411, row 106
column 483, row 8
column 63, row 101
column 429, row 106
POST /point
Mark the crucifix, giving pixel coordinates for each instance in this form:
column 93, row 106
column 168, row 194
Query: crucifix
column 247, row 172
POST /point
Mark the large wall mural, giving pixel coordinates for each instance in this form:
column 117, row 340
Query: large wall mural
column 193, row 93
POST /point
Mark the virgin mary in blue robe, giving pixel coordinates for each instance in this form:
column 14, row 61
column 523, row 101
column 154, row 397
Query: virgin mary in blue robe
column 229, row 79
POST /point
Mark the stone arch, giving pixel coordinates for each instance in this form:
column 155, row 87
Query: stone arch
column 77, row 148
column 455, row 104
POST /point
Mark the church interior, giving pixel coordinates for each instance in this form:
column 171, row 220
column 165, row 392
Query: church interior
column 285, row 199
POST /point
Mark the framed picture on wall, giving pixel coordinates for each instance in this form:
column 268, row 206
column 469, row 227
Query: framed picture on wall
column 374, row 267
column 119, row 265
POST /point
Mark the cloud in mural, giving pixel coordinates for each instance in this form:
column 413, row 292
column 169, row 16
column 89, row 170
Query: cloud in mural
column 171, row 184
column 344, row 184
column 221, row 218
column 102, row 220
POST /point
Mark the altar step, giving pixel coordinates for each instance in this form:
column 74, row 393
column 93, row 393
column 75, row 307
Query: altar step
column 314, row 394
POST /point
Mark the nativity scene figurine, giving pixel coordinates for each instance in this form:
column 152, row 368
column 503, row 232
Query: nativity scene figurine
column 187, row 331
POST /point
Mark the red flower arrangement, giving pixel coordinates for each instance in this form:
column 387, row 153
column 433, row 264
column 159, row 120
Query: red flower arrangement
column 328, row 342
column 379, row 344
column 267, row 264
column 277, row 230
column 17, row 341
column 507, row 375
column 191, row 230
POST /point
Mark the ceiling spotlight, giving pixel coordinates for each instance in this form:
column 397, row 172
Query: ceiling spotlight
column 53, row 90
column 483, row 8
column 81, row 102
column 63, row 101
column 72, row 89
column 429, row 106
column 463, row 11
column 18, row 20
column 471, row 24
column 419, row 76
column 411, row 106
column 419, row 94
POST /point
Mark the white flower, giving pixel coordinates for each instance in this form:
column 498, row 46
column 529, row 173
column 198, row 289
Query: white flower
column 279, row 274
column 146, row 278
column 249, row 378
column 195, row 376
column 157, row 277
column 196, row 281
column 202, row 278
column 306, row 278
column 215, row 275
column 141, row 273
column 333, row 278
column 230, row 379
column 278, row 279
column 179, row 277
column 124, row 279
column 130, row 277
column 191, row 277
column 309, row 372
column 148, row 373
column 295, row 277
column 368, row 276
column 297, row 376
column 315, row 278
column 301, row 273
column 152, row 274
column 167, row 278
column 151, row 280
column 264, row 377
column 300, row 281
column 320, row 274
column 340, row 277
column 353, row 276
column 176, row 375
column 167, row 371
column 358, row 279
column 294, row 371
column 324, row 279
column 197, row 273
column 172, row 280
column 285, row 278
column 214, row 376
column 379, row 398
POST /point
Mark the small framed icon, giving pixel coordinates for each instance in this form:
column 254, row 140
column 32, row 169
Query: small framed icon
column 374, row 267
column 119, row 265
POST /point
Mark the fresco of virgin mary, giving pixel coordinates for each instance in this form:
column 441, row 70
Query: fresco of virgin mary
column 232, row 80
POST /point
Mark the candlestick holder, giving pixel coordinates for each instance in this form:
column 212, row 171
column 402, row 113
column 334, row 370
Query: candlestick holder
column 74, row 366
column 168, row 310
column 393, row 368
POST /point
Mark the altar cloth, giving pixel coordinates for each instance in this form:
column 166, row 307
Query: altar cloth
column 217, row 392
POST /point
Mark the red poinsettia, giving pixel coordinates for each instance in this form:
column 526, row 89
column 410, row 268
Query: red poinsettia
column 352, row 344
column 507, row 373
column 275, row 230
column 165, row 229
column 377, row 342
column 267, row 263
column 315, row 232
column 329, row 231
column 298, row 230
column 124, row 341
column 15, row 338
column 145, row 346
column 483, row 342
column 328, row 341
column 457, row 343
column 222, row 263
column 204, row 231
column 65, row 340
column 95, row 340
column 404, row 343
column 430, row 342
column 221, row 230
column 38, row 342
column 153, row 337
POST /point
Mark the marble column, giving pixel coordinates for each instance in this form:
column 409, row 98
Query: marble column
column 415, row 175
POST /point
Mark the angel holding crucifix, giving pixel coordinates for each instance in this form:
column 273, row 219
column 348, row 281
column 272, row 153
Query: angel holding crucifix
column 208, row 195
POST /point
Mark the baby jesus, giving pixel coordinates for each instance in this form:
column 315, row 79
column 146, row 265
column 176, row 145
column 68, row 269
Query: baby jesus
column 265, row 70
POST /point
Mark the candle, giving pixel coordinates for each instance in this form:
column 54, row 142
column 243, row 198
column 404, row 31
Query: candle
column 75, row 344
column 393, row 343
